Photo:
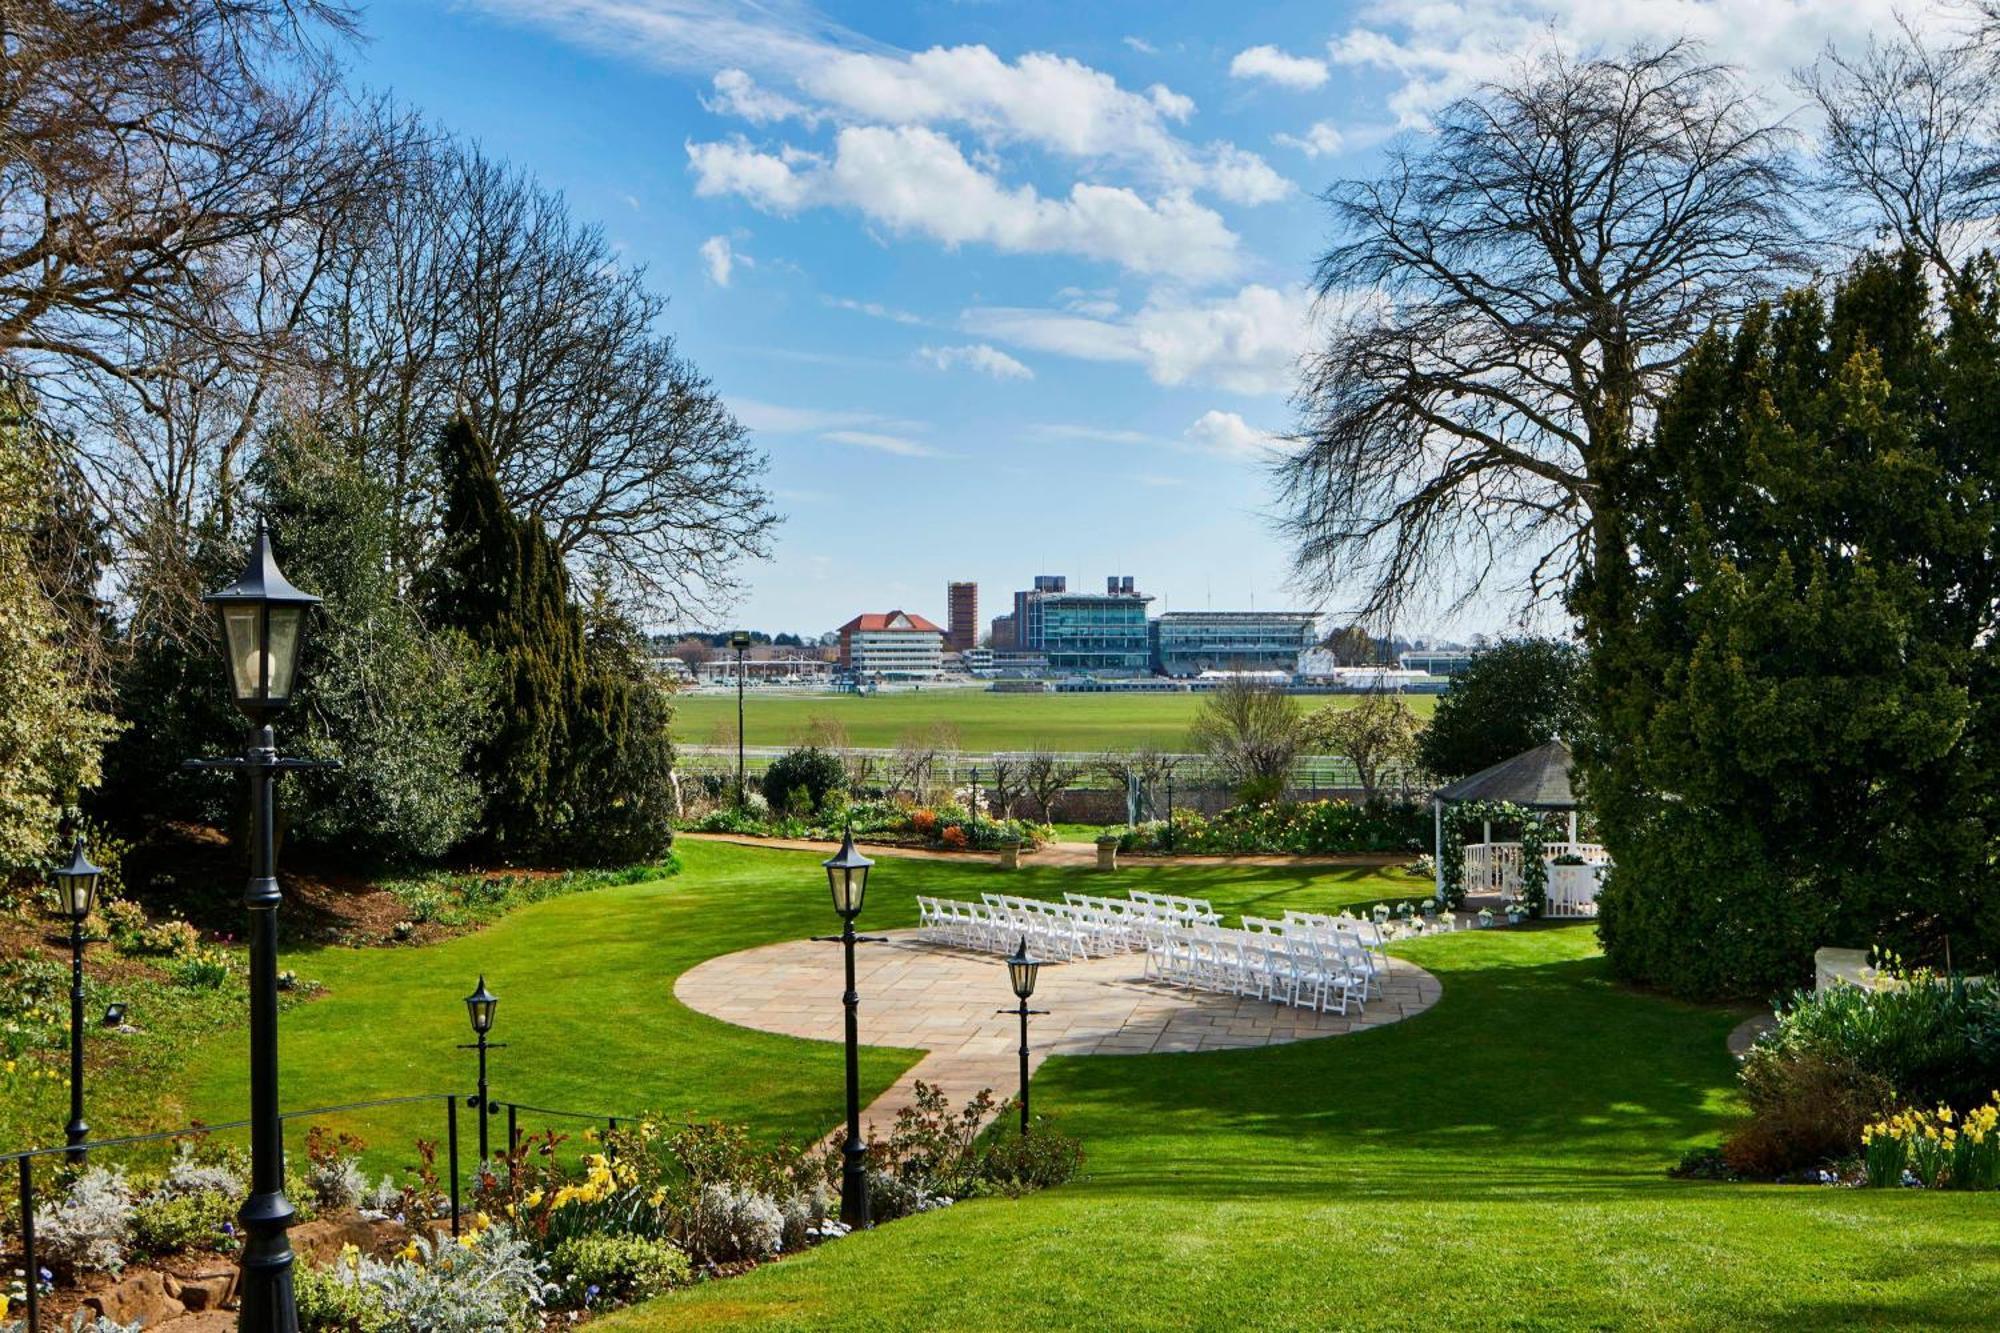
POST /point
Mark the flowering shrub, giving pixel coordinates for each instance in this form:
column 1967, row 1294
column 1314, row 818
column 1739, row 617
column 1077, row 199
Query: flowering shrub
column 975, row 831
column 1297, row 827
column 202, row 969
column 170, row 939
column 1936, row 1149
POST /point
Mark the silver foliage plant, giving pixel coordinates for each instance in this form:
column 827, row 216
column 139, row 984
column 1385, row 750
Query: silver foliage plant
column 187, row 1178
column 87, row 1228
column 493, row 1285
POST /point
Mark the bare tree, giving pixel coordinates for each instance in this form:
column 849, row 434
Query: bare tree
column 1250, row 732
column 477, row 289
column 1910, row 142
column 1005, row 785
column 146, row 146
column 1045, row 775
column 1510, row 298
column 1143, row 770
column 925, row 760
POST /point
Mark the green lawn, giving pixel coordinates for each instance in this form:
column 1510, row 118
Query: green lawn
column 1496, row 1162
column 986, row 721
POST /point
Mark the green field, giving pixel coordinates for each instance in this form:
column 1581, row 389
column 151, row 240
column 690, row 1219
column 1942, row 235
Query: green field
column 1497, row 1162
column 986, row 720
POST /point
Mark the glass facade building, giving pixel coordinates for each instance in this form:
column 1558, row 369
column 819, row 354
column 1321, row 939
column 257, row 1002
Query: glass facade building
column 1187, row 643
column 1102, row 633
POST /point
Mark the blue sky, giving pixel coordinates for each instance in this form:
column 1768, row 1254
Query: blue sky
column 1002, row 288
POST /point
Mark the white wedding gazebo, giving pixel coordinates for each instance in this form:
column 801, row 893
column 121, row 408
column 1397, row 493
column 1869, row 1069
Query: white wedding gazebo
column 1536, row 780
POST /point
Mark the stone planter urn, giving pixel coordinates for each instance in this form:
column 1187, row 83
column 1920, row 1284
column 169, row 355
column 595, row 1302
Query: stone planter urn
column 1107, row 854
column 1010, row 856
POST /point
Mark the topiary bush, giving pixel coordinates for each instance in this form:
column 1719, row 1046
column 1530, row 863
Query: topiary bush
column 808, row 770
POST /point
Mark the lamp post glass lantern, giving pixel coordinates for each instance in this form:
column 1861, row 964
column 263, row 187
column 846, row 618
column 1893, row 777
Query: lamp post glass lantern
column 480, row 1007
column 1022, row 972
column 76, row 892
column 740, row 641
column 847, row 879
column 262, row 620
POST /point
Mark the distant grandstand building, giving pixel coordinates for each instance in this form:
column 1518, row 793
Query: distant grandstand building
column 892, row 645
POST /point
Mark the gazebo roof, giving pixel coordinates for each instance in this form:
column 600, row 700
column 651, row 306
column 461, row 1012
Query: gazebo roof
column 1538, row 778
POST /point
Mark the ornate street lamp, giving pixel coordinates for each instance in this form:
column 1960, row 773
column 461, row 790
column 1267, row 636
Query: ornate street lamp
column 479, row 1007
column 262, row 619
column 76, row 891
column 847, row 880
column 740, row 641
column 1022, row 972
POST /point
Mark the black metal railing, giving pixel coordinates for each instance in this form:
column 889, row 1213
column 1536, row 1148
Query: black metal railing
column 25, row 1158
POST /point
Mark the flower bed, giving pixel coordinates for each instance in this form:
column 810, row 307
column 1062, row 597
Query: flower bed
column 1300, row 828
column 546, row 1236
column 947, row 828
column 1834, row 1088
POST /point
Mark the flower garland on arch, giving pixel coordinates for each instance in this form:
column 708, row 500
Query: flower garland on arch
column 1536, row 834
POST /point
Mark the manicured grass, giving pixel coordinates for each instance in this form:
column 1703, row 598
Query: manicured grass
column 1496, row 1162
column 587, row 1007
column 986, row 720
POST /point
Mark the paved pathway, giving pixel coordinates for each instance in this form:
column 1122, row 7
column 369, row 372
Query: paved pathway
column 943, row 1001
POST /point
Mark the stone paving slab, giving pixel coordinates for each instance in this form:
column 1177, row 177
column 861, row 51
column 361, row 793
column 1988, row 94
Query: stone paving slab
column 943, row 1001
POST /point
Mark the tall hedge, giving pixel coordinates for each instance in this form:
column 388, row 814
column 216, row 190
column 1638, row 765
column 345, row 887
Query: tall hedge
column 1794, row 730
column 576, row 766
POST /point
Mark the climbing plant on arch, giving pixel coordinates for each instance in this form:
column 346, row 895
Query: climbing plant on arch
column 1536, row 833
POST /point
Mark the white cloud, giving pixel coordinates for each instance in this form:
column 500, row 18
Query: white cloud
column 900, row 445
column 1249, row 342
column 1051, row 102
column 734, row 167
column 873, row 309
column 722, row 259
column 1271, row 65
column 1172, row 105
column 1245, row 178
column 1065, row 430
column 982, row 357
column 1228, row 435
column 1323, row 139
column 1141, row 45
column 1442, row 49
column 913, row 180
column 737, row 94
column 779, row 419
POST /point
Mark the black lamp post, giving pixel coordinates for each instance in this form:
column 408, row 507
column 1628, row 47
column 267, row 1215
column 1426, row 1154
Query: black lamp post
column 740, row 641
column 76, row 884
column 1021, row 974
column 479, row 1007
column 847, row 877
column 262, row 619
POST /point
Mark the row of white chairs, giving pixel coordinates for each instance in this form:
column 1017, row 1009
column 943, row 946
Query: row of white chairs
column 1081, row 926
column 1308, row 969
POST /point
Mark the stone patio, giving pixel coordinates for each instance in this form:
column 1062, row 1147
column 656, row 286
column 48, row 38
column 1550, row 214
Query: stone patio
column 944, row 1001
